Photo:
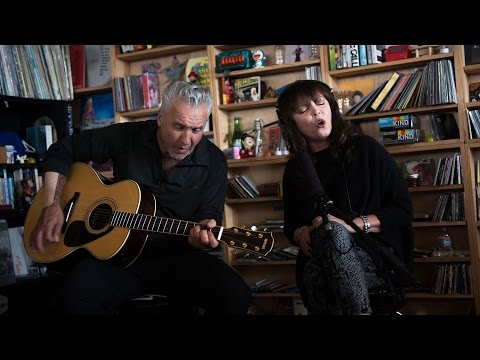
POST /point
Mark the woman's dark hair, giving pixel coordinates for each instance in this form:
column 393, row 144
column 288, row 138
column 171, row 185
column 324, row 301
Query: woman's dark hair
column 300, row 93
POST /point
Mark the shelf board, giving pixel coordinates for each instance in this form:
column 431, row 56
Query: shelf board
column 388, row 66
column 14, row 217
column 473, row 105
column 436, row 188
column 419, row 295
column 31, row 101
column 140, row 113
column 442, row 259
column 159, row 51
column 424, row 146
column 249, row 104
column 472, row 69
column 21, row 166
column 473, row 143
column 254, row 200
column 258, row 161
column 93, row 89
column 424, row 224
column 411, row 111
column 271, row 69
column 233, row 47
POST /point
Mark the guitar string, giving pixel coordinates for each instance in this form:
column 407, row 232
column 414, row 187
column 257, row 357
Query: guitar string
column 106, row 216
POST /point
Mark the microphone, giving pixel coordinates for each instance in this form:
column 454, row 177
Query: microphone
column 315, row 187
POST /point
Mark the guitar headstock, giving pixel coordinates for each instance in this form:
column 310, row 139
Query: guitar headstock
column 258, row 242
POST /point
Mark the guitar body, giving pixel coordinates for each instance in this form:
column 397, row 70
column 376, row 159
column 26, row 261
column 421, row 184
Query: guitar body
column 89, row 204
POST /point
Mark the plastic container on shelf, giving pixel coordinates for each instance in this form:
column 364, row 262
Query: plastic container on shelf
column 444, row 245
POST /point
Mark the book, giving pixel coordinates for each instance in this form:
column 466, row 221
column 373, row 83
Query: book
column 98, row 65
column 354, row 55
column 151, row 90
column 444, row 126
column 77, row 59
column 385, row 91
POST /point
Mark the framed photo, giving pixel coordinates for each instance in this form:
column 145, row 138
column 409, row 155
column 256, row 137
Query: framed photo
column 7, row 270
column 96, row 111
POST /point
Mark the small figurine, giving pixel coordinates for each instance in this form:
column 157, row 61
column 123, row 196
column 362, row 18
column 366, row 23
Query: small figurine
column 21, row 159
column 254, row 94
column 28, row 190
column 248, row 146
column 259, row 58
column 298, row 53
column 192, row 77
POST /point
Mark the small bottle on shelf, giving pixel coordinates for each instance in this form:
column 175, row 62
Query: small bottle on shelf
column 314, row 52
column 237, row 146
column 444, row 243
column 237, row 130
column 279, row 54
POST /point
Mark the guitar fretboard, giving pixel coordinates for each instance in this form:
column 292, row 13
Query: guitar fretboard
column 157, row 224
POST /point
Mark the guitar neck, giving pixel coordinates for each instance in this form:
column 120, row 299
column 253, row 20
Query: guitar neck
column 158, row 224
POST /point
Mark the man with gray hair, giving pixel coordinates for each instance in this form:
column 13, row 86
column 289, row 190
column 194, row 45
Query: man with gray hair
column 187, row 174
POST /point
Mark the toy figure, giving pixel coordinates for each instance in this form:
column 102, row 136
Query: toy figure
column 298, row 53
column 28, row 190
column 259, row 58
column 248, row 146
column 192, row 77
column 22, row 159
column 254, row 94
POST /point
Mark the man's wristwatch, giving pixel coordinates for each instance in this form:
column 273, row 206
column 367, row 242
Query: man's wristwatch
column 366, row 224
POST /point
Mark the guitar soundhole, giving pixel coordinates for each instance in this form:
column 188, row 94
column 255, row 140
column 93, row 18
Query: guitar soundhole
column 100, row 217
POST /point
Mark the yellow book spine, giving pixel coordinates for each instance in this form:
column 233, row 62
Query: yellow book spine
column 386, row 89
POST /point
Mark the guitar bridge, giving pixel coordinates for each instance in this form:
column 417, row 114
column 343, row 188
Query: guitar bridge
column 68, row 210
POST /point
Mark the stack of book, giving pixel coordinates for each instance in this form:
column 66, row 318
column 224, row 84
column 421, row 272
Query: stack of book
column 244, row 187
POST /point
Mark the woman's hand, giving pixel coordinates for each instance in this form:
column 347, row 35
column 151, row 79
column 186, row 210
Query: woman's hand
column 303, row 239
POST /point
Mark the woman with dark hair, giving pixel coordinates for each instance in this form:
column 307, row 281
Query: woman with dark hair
column 334, row 273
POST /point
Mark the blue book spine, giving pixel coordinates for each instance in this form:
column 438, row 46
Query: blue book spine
column 362, row 52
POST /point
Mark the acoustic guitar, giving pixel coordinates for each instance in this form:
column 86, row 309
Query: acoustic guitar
column 113, row 221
